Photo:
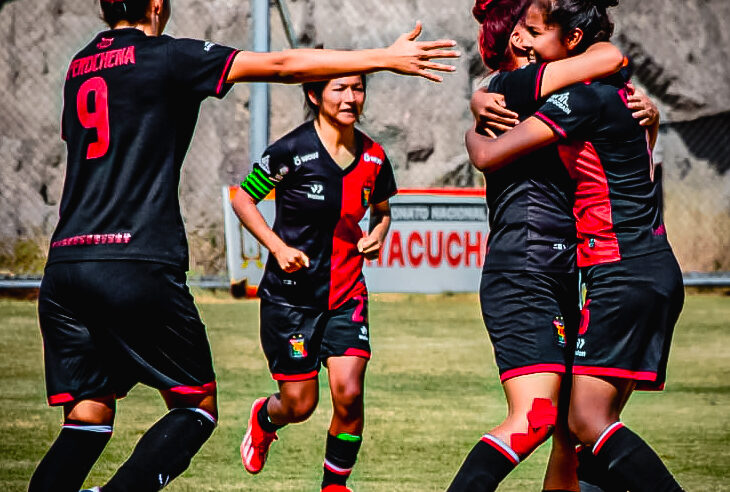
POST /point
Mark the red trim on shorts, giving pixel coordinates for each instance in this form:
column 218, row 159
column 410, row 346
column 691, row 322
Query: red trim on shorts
column 534, row 369
column 225, row 72
column 207, row 388
column 613, row 372
column 295, row 377
column 557, row 128
column 472, row 192
column 500, row 449
column 355, row 352
column 60, row 399
column 597, row 447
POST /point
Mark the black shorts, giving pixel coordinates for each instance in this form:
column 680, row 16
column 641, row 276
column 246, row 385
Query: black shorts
column 296, row 341
column 108, row 325
column 531, row 319
column 628, row 319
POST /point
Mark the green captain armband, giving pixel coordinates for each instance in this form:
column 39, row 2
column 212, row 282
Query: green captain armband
column 257, row 184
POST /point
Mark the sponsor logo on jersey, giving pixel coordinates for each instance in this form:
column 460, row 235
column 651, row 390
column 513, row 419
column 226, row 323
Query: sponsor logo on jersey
column 363, row 333
column 104, row 43
column 579, row 347
column 560, row 101
column 264, row 164
column 317, row 191
column 371, row 158
column 366, row 192
column 297, row 348
column 559, row 324
column 207, row 46
column 300, row 159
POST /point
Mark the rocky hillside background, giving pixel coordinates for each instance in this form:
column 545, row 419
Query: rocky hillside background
column 681, row 53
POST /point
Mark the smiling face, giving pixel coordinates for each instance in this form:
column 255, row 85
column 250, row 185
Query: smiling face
column 547, row 39
column 341, row 101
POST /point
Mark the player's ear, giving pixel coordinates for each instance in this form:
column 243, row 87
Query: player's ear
column 573, row 39
column 312, row 96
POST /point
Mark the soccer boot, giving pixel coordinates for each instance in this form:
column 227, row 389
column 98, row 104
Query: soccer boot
column 256, row 442
column 333, row 487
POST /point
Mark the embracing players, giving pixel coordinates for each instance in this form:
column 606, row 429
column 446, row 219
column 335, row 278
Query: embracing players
column 314, row 303
column 633, row 282
column 114, row 306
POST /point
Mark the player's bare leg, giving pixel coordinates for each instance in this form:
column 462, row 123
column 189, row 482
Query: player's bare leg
column 595, row 409
column 87, row 427
column 532, row 414
column 344, row 438
column 295, row 402
column 166, row 449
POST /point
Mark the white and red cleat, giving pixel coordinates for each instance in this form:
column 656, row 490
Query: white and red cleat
column 256, row 442
column 336, row 488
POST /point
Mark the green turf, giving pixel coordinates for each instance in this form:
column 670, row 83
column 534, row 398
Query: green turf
column 432, row 391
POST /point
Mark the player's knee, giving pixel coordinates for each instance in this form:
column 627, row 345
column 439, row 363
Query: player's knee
column 541, row 420
column 584, row 425
column 347, row 398
column 92, row 411
column 205, row 399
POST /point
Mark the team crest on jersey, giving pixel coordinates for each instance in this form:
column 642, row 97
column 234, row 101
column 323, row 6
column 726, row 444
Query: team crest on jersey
column 283, row 171
column 366, row 191
column 560, row 101
column 559, row 324
column 297, row 347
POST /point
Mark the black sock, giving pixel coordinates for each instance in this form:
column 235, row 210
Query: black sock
column 164, row 451
column 70, row 458
column 264, row 420
column 489, row 462
column 631, row 462
column 592, row 476
column 339, row 458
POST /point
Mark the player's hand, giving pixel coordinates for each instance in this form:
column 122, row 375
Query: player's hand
column 491, row 113
column 369, row 246
column 643, row 108
column 410, row 57
column 291, row 259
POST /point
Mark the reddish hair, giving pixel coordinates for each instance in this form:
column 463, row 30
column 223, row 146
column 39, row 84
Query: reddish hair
column 498, row 19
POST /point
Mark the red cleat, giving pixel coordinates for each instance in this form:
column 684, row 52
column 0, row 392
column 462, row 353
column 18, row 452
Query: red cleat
column 256, row 442
column 336, row 488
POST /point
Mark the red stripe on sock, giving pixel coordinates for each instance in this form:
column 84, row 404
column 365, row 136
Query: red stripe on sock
column 500, row 449
column 599, row 444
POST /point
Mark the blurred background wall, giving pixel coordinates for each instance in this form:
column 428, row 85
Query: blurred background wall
column 680, row 51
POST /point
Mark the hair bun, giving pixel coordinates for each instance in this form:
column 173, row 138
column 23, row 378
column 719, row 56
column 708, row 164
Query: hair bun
column 479, row 11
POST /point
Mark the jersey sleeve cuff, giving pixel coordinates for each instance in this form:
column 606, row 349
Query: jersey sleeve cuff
column 554, row 126
column 223, row 87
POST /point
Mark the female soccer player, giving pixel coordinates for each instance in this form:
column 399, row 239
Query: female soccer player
column 114, row 307
column 528, row 291
column 314, row 303
column 633, row 282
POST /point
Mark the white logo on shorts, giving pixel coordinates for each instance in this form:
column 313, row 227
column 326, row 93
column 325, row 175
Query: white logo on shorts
column 363, row 333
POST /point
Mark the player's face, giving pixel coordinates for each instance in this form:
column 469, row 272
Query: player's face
column 547, row 40
column 342, row 100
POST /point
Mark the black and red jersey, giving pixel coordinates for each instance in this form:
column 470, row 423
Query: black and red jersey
column 318, row 209
column 131, row 102
column 617, row 202
column 530, row 201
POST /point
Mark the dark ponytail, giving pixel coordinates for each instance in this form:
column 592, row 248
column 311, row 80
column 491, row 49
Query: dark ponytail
column 590, row 16
column 116, row 11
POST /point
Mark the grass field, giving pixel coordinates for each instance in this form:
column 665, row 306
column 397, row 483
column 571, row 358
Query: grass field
column 432, row 390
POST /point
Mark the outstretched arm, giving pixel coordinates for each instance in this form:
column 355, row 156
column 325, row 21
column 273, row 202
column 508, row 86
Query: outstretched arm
column 406, row 56
column 491, row 154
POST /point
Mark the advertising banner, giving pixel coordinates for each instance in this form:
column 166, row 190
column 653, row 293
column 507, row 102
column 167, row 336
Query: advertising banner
column 436, row 243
